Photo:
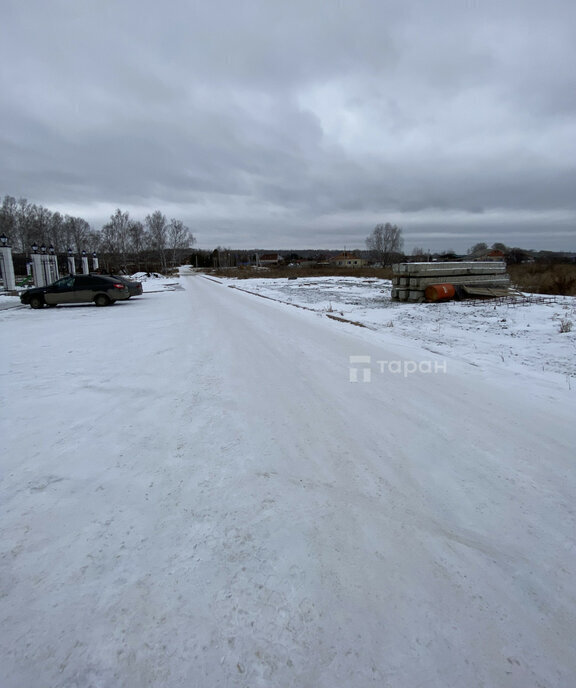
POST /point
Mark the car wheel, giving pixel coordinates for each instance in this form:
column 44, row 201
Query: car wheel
column 36, row 302
column 102, row 300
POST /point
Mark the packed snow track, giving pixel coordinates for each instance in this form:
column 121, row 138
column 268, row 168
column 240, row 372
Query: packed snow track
column 195, row 494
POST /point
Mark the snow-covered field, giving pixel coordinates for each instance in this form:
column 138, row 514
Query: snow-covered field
column 515, row 331
column 203, row 488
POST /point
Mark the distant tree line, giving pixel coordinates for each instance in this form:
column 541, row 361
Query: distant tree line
column 512, row 255
column 123, row 242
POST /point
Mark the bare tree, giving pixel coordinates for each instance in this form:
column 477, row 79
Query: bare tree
column 116, row 235
column 515, row 256
column 222, row 257
column 56, row 232
column 158, row 235
column 9, row 219
column 24, row 225
column 420, row 254
column 76, row 230
column 41, row 221
column 385, row 241
column 478, row 249
column 179, row 237
column 122, row 238
column 93, row 241
column 137, row 235
column 109, row 240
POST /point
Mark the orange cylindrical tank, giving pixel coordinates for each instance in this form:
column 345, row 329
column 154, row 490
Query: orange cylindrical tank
column 437, row 292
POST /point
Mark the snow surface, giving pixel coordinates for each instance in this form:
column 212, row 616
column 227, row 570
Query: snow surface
column 194, row 493
column 520, row 330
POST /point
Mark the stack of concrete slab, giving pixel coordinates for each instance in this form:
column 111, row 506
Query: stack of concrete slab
column 481, row 278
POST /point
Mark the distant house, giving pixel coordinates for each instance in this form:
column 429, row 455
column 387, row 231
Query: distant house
column 270, row 259
column 348, row 260
column 491, row 256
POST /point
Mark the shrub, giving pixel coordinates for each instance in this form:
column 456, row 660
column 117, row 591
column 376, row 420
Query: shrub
column 545, row 278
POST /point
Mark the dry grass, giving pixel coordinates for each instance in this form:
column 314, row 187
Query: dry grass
column 345, row 320
column 545, row 278
column 312, row 271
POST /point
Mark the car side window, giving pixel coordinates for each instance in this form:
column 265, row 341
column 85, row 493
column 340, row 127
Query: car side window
column 64, row 283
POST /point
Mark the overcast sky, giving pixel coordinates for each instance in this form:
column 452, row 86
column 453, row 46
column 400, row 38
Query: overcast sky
column 297, row 123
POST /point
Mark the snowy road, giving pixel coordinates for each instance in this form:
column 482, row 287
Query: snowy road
column 194, row 494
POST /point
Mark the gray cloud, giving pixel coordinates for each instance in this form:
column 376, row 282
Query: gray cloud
column 297, row 124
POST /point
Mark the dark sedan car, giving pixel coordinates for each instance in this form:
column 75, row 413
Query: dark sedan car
column 134, row 287
column 103, row 291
